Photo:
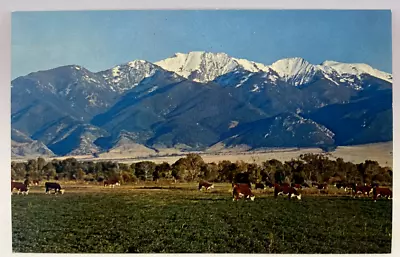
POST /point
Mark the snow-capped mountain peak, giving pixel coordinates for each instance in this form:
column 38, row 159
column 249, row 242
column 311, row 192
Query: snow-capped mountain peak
column 206, row 66
column 126, row 76
column 356, row 69
column 295, row 70
column 203, row 66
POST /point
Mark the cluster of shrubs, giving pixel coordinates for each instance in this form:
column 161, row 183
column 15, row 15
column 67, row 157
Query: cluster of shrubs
column 307, row 167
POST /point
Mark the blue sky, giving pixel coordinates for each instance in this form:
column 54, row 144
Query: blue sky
column 99, row 40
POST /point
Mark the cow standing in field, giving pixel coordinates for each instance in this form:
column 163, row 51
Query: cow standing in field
column 242, row 191
column 365, row 190
column 286, row 190
column 205, row 185
column 112, row 183
column 52, row 185
column 381, row 192
column 21, row 187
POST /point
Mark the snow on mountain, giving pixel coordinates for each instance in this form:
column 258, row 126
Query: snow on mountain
column 206, row 66
column 357, row 69
column 126, row 76
column 295, row 70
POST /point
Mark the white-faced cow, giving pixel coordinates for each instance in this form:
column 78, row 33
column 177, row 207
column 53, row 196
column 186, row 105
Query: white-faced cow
column 53, row 186
column 21, row 187
column 382, row 192
column 242, row 191
column 286, row 190
column 206, row 185
column 363, row 190
column 111, row 182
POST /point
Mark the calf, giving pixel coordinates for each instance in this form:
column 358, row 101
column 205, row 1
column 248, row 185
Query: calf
column 242, row 191
column 382, row 192
column 260, row 186
column 52, row 185
column 289, row 191
column 21, row 187
column 111, row 182
column 205, row 185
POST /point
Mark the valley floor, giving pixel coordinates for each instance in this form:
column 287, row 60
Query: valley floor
column 380, row 152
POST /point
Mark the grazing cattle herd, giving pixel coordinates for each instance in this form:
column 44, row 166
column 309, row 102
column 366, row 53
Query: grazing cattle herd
column 240, row 190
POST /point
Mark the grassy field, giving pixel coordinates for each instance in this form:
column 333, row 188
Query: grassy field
column 93, row 219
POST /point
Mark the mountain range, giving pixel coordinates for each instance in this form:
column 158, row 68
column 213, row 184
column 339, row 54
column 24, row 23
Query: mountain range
column 196, row 100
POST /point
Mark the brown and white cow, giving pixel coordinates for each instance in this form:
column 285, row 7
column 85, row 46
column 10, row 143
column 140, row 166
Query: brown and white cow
column 381, row 192
column 286, row 190
column 21, row 187
column 364, row 190
column 206, row 185
column 111, row 182
column 242, row 191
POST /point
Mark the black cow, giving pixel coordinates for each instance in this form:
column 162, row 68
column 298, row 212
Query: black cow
column 260, row 186
column 52, row 185
column 339, row 185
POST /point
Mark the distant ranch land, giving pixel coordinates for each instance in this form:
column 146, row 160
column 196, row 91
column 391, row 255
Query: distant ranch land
column 380, row 152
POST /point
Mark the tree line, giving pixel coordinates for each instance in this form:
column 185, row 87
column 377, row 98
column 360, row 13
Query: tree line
column 308, row 167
